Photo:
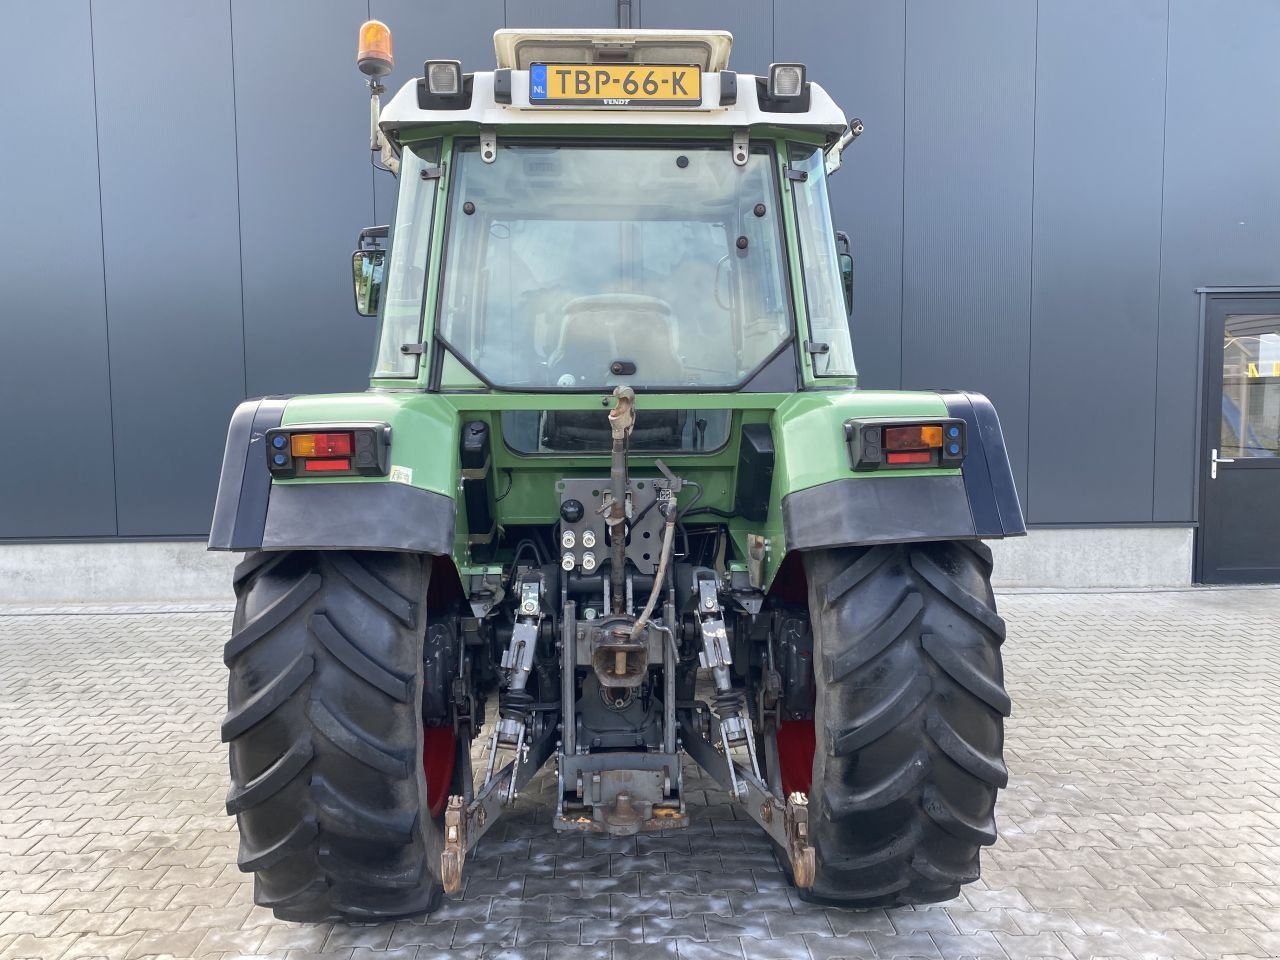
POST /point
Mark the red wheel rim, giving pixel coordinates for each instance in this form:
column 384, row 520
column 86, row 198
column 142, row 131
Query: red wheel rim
column 439, row 753
column 796, row 744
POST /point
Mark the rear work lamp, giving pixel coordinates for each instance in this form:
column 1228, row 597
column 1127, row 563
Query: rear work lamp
column 444, row 77
column 354, row 450
column 786, row 80
column 443, row 86
column 880, row 443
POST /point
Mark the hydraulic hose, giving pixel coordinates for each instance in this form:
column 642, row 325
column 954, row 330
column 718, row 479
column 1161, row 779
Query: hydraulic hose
column 668, row 537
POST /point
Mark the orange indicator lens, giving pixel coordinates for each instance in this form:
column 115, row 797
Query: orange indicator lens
column 326, row 466
column 912, row 438
column 321, row 445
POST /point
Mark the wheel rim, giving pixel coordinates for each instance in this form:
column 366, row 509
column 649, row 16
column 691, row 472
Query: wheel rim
column 796, row 743
column 439, row 754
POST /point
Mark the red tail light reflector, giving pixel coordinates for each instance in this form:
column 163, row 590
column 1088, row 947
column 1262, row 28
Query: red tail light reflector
column 321, row 445
column 326, row 466
column 915, row 456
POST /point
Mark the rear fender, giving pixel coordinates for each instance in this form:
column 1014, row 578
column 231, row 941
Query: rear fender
column 253, row 512
column 979, row 502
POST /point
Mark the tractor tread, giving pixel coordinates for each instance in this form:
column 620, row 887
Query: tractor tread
column 269, row 699
column 839, row 666
column 250, row 861
column 946, row 585
column 272, row 780
column 891, row 788
column 855, row 573
column 346, row 816
column 989, row 769
column 364, row 667
column 355, row 743
column 909, row 721
column 373, row 588
column 270, row 618
column 859, row 731
column 967, row 674
column 960, row 826
column 325, row 731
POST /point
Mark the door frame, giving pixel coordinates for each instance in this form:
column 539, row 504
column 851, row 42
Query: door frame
column 1205, row 425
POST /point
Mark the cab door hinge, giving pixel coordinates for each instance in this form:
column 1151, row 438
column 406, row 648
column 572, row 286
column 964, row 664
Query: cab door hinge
column 488, row 144
column 741, row 146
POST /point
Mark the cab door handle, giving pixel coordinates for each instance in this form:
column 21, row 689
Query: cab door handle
column 1214, row 460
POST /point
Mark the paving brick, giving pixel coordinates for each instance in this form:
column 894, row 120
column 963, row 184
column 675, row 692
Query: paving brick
column 545, row 931
column 1141, row 816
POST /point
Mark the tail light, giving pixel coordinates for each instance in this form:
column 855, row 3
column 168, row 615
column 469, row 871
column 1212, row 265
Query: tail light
column 877, row 443
column 332, row 450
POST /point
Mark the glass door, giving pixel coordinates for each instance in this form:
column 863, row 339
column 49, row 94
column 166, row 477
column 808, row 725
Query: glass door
column 1239, row 535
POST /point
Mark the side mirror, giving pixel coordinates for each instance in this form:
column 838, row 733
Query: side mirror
column 846, row 268
column 367, row 266
column 366, row 272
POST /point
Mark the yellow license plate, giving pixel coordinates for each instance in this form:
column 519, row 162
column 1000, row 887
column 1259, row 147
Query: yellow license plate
column 614, row 85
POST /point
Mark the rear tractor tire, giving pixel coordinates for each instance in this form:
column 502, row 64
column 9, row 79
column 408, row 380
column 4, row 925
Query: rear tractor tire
column 324, row 723
column 909, row 721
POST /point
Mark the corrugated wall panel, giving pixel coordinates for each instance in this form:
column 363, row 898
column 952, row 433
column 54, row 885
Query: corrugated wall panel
column 563, row 13
column 170, row 233
column 970, row 98
column 855, row 50
column 1221, row 203
column 54, row 379
column 1095, row 279
column 306, row 190
column 750, row 22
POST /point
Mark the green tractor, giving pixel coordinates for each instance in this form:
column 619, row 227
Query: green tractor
column 612, row 497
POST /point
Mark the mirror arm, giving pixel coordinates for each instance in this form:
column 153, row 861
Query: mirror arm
column 835, row 152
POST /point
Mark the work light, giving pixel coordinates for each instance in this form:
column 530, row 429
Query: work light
column 786, row 80
column 444, row 77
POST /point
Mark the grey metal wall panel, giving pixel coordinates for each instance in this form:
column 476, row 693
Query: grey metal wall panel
column 438, row 31
column 970, row 98
column 172, row 256
column 856, row 50
column 1095, row 278
column 54, row 387
column 1221, row 203
column 563, row 13
column 306, row 190
column 750, row 22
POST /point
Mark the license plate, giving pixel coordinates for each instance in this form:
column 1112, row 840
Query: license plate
column 614, row 85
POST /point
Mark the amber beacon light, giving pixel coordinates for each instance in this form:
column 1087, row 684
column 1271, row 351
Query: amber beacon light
column 373, row 54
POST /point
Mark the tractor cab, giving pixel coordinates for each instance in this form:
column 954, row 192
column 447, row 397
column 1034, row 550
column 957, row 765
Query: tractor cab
column 610, row 208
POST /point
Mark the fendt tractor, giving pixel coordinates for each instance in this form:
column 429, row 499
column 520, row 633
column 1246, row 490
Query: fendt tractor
column 613, row 496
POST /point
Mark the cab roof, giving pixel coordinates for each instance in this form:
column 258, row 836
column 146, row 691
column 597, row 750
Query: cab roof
column 500, row 98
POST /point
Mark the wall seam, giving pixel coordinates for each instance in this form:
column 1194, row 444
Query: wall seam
column 1164, row 150
column 102, row 240
column 1031, row 278
column 373, row 157
column 235, row 140
column 902, row 232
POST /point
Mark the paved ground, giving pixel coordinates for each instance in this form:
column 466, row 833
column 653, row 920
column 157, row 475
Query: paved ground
column 1142, row 817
